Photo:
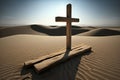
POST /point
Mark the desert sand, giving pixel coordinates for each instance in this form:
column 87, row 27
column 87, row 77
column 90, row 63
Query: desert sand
column 23, row 43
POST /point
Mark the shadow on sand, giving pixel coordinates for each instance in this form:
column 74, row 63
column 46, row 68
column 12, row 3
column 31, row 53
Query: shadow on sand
column 39, row 30
column 64, row 71
column 58, row 31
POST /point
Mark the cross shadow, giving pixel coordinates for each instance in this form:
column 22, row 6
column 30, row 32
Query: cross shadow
column 64, row 71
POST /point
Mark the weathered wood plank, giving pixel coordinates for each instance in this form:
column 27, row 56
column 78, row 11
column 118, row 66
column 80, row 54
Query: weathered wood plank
column 65, row 19
column 75, row 20
column 42, row 58
column 60, row 58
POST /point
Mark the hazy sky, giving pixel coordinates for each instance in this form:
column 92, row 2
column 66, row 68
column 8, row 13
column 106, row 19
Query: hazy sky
column 90, row 12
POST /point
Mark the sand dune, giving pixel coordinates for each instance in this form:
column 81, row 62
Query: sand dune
column 17, row 30
column 58, row 31
column 103, row 63
column 101, row 32
column 39, row 30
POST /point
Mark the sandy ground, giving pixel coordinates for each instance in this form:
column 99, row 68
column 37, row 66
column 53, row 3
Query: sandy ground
column 103, row 63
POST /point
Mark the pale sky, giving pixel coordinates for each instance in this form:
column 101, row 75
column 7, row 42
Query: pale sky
column 90, row 12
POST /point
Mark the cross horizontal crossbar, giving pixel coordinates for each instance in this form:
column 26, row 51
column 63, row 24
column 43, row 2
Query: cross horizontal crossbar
column 65, row 19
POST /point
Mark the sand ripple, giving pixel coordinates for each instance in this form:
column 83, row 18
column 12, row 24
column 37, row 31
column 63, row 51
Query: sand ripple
column 92, row 68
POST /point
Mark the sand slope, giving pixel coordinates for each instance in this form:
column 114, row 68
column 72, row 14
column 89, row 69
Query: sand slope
column 8, row 31
column 39, row 30
column 103, row 63
column 101, row 32
column 58, row 31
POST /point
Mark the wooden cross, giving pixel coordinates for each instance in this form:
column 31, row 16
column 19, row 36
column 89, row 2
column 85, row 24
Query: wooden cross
column 68, row 21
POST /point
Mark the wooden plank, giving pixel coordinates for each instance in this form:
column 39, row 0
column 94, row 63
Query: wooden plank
column 69, row 10
column 61, row 19
column 42, row 58
column 65, row 19
column 60, row 58
column 75, row 20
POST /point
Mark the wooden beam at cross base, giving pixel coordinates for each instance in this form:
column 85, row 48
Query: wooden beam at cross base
column 30, row 63
column 61, row 58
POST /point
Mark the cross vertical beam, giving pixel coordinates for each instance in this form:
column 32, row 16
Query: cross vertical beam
column 68, row 28
column 68, row 21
